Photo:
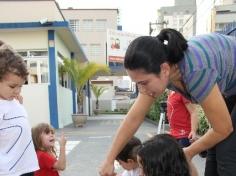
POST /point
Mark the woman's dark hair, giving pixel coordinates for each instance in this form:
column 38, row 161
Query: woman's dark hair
column 148, row 53
column 130, row 150
column 162, row 156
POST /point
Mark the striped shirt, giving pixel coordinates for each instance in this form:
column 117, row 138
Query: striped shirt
column 210, row 59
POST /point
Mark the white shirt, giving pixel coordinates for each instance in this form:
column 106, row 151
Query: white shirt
column 17, row 153
column 134, row 172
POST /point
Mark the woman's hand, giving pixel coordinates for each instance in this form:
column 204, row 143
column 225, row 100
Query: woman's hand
column 107, row 169
column 189, row 156
column 188, row 153
column 192, row 136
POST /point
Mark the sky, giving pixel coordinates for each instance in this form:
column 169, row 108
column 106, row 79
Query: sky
column 135, row 15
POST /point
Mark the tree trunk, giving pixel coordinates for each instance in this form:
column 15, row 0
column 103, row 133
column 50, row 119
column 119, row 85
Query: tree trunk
column 97, row 104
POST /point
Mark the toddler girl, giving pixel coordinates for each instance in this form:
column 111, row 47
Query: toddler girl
column 44, row 141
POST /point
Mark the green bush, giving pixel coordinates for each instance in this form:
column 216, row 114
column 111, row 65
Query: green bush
column 203, row 124
column 154, row 112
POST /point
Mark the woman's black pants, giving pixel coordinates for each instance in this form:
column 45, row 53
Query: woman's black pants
column 221, row 159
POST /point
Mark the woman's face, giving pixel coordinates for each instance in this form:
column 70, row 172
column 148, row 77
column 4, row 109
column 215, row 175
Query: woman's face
column 150, row 83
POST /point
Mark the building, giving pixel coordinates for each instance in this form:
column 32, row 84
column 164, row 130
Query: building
column 39, row 32
column 181, row 17
column 212, row 15
column 90, row 26
column 223, row 15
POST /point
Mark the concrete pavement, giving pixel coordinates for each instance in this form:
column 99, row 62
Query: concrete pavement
column 87, row 146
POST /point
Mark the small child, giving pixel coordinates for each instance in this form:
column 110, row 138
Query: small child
column 127, row 158
column 17, row 153
column 162, row 156
column 44, row 141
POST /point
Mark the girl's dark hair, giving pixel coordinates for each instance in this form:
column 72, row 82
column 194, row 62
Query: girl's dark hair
column 130, row 150
column 11, row 62
column 162, row 156
column 37, row 131
column 148, row 53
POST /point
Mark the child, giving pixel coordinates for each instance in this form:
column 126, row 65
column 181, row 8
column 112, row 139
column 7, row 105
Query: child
column 127, row 158
column 162, row 156
column 44, row 142
column 17, row 153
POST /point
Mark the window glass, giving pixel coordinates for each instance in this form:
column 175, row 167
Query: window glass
column 95, row 51
column 37, row 65
column 44, row 71
column 101, row 24
column 74, row 24
column 87, row 25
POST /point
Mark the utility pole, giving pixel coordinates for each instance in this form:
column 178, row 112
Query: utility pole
column 156, row 24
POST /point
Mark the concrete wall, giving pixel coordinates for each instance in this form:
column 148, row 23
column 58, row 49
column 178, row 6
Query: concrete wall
column 21, row 40
column 60, row 47
column 39, row 9
column 65, row 106
column 105, row 99
column 36, row 102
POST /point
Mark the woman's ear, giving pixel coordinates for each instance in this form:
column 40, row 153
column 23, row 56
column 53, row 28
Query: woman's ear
column 165, row 69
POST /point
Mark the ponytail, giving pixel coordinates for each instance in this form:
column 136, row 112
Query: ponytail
column 176, row 44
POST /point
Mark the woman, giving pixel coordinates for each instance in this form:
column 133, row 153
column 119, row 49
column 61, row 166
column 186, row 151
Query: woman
column 204, row 71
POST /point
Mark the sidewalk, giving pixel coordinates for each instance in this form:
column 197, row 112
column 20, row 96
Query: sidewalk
column 88, row 145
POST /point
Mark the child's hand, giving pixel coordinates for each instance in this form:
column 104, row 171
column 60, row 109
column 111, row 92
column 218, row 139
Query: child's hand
column 62, row 140
column 19, row 98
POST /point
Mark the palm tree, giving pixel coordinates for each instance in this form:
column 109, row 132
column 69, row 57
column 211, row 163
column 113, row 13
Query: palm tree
column 80, row 73
column 98, row 91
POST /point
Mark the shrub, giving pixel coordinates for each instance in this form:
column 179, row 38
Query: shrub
column 203, row 124
column 154, row 112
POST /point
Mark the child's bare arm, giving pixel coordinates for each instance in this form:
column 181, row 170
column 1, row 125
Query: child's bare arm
column 60, row 164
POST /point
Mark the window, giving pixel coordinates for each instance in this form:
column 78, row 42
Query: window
column 64, row 79
column 37, row 64
column 44, row 71
column 23, row 53
column 87, row 25
column 95, row 51
column 101, row 24
column 74, row 25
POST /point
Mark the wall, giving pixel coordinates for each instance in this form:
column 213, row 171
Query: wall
column 13, row 11
column 65, row 106
column 35, row 100
column 25, row 39
column 64, row 95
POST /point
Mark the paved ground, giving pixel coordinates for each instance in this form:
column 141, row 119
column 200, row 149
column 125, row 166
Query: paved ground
column 87, row 146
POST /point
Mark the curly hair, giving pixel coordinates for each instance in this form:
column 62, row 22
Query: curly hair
column 162, row 156
column 37, row 131
column 11, row 62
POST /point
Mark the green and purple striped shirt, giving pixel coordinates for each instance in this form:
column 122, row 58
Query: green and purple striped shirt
column 210, row 59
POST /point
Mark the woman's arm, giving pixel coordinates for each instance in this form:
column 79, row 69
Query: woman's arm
column 192, row 109
column 127, row 129
column 218, row 116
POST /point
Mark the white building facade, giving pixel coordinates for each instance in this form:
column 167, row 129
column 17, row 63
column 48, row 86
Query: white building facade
column 40, row 33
